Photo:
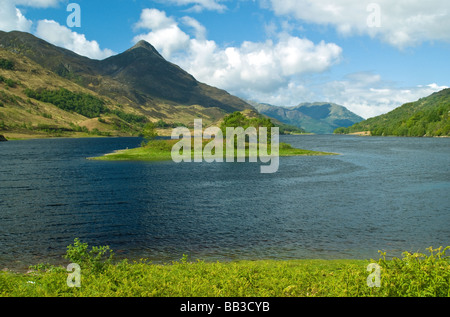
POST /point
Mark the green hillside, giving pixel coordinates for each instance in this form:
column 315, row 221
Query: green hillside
column 426, row 117
column 46, row 90
column 35, row 102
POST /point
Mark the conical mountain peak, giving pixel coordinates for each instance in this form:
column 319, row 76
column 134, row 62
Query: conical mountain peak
column 146, row 46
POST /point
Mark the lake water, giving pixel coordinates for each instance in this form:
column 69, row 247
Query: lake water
column 388, row 194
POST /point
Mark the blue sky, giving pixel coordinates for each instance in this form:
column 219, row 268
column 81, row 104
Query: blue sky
column 370, row 56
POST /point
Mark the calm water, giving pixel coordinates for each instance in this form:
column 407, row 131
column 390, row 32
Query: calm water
column 387, row 194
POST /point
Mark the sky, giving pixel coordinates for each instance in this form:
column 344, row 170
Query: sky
column 370, row 56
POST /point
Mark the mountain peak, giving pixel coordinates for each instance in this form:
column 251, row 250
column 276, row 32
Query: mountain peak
column 145, row 45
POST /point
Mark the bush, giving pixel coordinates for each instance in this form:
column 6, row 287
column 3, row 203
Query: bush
column 6, row 64
column 417, row 274
column 95, row 259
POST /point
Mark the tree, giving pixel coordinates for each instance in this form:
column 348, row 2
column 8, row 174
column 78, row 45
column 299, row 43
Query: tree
column 149, row 132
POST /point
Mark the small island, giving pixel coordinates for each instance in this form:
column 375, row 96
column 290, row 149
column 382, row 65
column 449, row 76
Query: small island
column 154, row 149
column 161, row 150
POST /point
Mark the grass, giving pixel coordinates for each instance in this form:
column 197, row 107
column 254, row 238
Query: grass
column 160, row 150
column 414, row 275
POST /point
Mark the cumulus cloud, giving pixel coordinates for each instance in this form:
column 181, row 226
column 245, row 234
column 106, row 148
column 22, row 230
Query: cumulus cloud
column 62, row 36
column 403, row 23
column 251, row 67
column 165, row 33
column 12, row 19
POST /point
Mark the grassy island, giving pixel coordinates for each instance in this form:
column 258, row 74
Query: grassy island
column 160, row 150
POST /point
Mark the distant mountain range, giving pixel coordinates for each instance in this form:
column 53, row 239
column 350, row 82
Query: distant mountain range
column 428, row 116
column 137, row 82
column 319, row 118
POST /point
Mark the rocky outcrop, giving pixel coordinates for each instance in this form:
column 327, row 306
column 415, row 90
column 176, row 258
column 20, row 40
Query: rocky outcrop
column 2, row 138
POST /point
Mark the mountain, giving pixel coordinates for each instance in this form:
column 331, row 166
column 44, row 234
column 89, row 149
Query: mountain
column 428, row 116
column 134, row 84
column 144, row 70
column 319, row 118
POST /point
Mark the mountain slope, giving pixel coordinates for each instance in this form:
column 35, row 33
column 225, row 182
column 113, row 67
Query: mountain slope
column 320, row 118
column 22, row 115
column 139, row 77
column 142, row 68
column 134, row 84
column 426, row 117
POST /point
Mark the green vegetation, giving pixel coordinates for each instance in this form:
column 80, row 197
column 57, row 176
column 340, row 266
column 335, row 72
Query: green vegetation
column 156, row 150
column 9, row 98
column 426, row 117
column 414, row 275
column 81, row 103
column 161, row 150
column 149, row 132
column 6, row 64
column 9, row 82
column 237, row 119
column 130, row 117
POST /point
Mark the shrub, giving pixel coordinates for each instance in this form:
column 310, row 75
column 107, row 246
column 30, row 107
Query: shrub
column 6, row 64
column 417, row 274
column 95, row 259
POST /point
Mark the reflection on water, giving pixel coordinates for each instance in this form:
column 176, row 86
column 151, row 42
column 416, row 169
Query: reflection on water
column 379, row 194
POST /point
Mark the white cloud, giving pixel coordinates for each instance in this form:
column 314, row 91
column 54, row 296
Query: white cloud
column 154, row 19
column 258, row 67
column 37, row 3
column 403, row 22
column 199, row 29
column 165, row 34
column 62, row 36
column 200, row 5
column 12, row 19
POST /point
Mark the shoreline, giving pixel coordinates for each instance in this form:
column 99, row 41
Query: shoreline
column 369, row 134
column 412, row 275
column 21, row 136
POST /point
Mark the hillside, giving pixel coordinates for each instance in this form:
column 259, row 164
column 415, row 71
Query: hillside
column 125, row 91
column 22, row 116
column 426, row 117
column 319, row 118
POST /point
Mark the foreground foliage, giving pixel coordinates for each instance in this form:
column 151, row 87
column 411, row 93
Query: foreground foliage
column 411, row 276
